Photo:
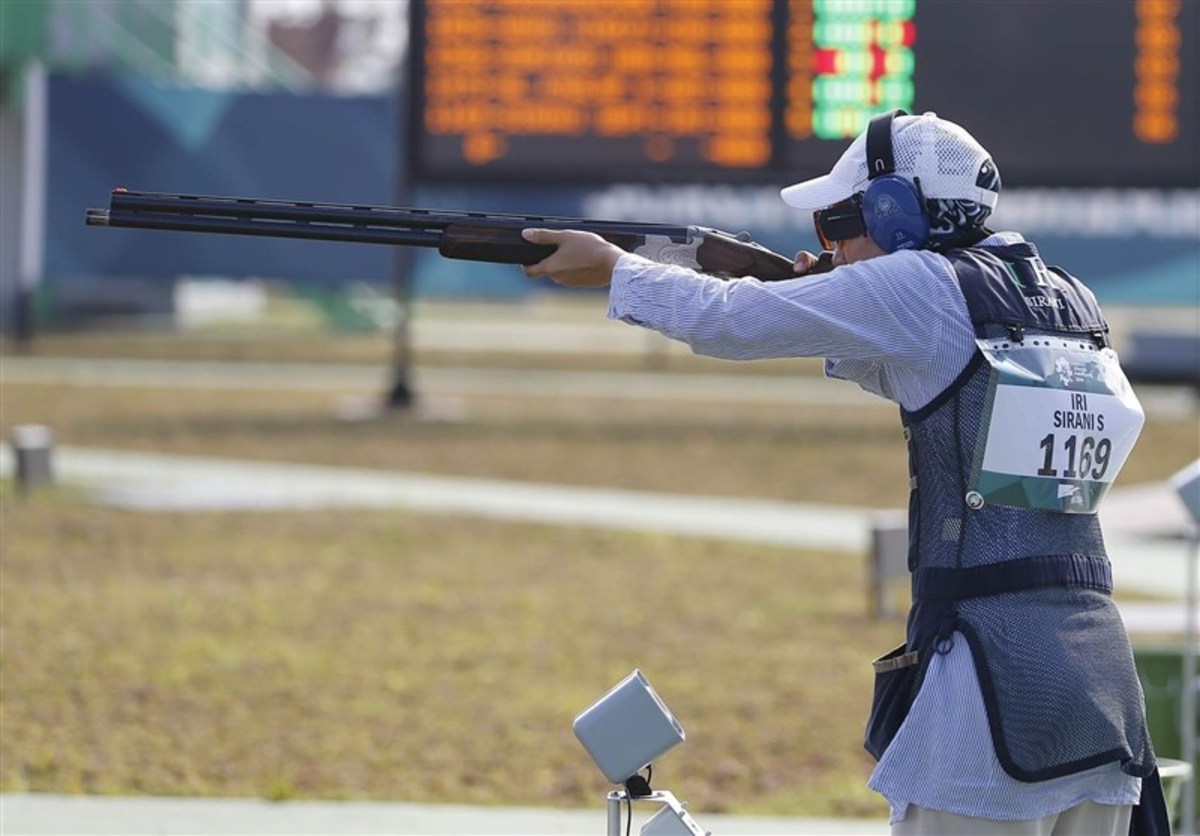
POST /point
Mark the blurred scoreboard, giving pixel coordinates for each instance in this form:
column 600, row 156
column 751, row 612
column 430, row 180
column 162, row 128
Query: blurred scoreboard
column 1062, row 93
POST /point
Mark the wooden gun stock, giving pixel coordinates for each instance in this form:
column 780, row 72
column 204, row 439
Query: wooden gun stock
column 727, row 255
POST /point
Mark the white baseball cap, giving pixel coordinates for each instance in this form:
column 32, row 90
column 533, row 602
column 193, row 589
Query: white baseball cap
column 946, row 159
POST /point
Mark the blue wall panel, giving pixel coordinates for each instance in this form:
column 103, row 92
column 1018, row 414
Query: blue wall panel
column 130, row 132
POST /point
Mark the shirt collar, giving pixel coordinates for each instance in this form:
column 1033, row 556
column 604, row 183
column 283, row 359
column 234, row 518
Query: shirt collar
column 1002, row 239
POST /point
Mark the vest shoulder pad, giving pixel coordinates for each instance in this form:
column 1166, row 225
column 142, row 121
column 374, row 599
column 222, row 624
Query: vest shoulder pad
column 1012, row 286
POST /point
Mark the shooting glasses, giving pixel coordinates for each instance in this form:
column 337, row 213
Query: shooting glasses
column 840, row 222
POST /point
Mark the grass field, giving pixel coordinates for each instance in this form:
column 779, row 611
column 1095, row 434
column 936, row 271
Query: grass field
column 396, row 656
column 388, row 656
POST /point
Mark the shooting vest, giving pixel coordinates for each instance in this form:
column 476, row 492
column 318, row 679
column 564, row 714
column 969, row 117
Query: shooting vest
column 1007, row 468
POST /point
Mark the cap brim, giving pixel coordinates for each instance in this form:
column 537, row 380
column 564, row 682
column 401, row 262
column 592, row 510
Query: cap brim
column 816, row 193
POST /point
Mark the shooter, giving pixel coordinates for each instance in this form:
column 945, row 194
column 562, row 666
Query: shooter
column 1014, row 706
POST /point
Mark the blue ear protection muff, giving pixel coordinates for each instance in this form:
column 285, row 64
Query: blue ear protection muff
column 893, row 208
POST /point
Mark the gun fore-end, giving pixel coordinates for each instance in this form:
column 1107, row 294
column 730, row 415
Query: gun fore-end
column 498, row 244
column 504, row 244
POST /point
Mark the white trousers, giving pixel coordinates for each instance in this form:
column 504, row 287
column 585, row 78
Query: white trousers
column 1086, row 819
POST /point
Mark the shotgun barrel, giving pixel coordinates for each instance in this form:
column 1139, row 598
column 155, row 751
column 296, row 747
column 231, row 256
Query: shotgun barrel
column 471, row 235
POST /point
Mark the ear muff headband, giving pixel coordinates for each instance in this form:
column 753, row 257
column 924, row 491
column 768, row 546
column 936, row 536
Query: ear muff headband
column 893, row 208
column 880, row 159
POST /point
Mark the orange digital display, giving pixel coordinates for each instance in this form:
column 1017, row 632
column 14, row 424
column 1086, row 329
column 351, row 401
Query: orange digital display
column 1156, row 70
column 668, row 77
column 771, row 90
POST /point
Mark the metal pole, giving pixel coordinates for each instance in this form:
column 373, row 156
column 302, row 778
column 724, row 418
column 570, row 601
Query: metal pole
column 33, row 200
column 400, row 394
column 1187, row 722
column 614, row 812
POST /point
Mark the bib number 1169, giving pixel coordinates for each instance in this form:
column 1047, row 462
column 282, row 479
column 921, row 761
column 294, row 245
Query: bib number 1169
column 1089, row 453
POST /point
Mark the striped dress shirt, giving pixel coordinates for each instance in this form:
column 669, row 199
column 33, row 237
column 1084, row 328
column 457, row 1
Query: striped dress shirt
column 898, row 326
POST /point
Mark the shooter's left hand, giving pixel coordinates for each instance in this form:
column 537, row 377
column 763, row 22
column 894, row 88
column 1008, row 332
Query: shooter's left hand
column 583, row 259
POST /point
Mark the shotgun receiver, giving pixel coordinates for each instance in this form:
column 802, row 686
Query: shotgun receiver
column 474, row 236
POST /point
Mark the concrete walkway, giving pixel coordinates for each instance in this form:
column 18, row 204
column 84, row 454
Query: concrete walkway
column 101, row 816
column 148, row 481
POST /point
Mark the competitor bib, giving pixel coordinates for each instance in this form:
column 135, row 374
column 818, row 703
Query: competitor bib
column 1059, row 422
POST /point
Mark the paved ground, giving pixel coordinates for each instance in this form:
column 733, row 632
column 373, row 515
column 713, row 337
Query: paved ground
column 56, row 814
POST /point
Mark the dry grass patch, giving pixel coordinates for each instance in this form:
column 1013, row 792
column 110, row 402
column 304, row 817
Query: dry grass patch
column 259, row 345
column 369, row 655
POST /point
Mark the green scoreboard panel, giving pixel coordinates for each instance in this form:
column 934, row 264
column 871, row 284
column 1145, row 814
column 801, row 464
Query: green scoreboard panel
column 1063, row 92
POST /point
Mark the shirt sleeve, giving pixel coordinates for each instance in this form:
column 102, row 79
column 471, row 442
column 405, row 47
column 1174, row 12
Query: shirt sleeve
column 890, row 310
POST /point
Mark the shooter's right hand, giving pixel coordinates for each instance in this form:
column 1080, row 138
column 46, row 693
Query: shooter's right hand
column 807, row 264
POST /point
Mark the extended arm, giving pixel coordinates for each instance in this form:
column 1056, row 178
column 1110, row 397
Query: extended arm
column 884, row 310
column 583, row 259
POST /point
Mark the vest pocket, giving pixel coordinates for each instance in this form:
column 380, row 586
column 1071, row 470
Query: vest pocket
column 895, row 678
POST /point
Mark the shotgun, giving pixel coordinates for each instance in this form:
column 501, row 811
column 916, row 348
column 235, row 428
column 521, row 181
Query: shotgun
column 474, row 236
